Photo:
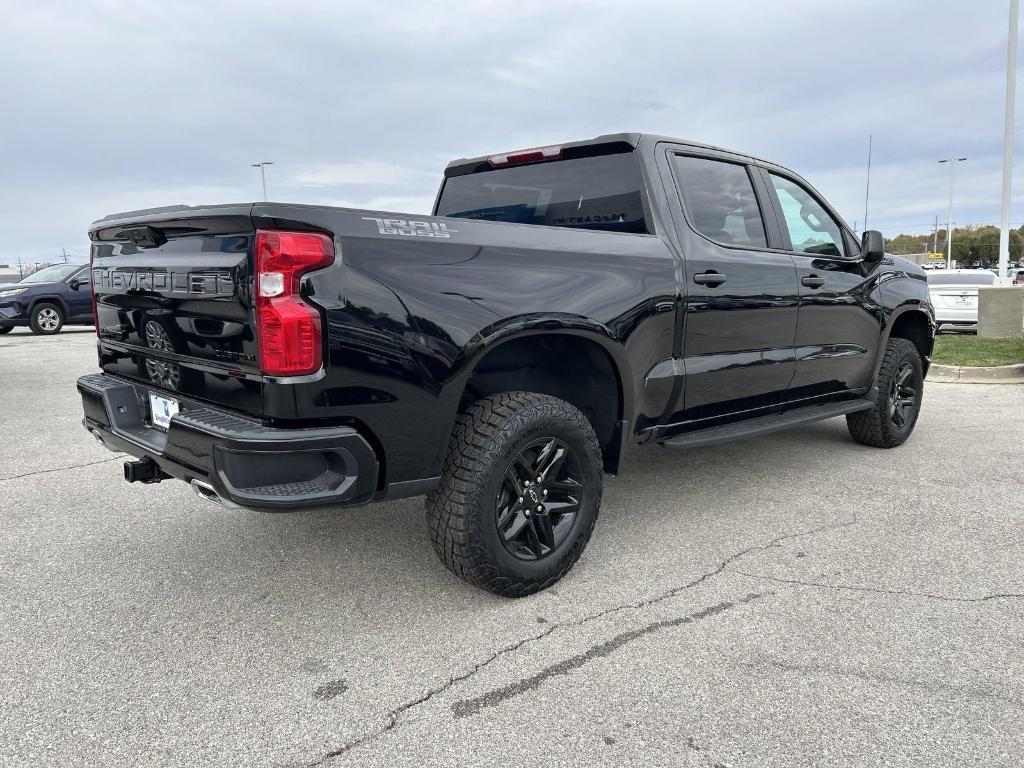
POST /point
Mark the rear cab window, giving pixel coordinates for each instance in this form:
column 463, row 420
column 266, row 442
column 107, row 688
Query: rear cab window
column 601, row 192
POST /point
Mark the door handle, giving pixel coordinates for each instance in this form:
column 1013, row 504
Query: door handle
column 813, row 281
column 710, row 278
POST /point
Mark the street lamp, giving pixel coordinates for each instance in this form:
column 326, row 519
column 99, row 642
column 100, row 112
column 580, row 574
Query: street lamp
column 1011, row 87
column 263, row 174
column 949, row 221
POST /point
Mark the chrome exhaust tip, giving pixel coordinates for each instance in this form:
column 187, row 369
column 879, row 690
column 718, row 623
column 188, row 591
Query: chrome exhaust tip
column 206, row 492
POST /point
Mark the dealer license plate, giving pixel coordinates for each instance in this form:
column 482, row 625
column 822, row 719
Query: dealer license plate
column 161, row 409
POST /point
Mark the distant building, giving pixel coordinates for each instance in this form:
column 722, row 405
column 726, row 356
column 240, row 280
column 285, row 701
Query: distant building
column 9, row 273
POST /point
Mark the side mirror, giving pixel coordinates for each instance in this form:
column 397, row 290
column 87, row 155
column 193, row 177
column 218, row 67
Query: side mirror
column 77, row 283
column 872, row 246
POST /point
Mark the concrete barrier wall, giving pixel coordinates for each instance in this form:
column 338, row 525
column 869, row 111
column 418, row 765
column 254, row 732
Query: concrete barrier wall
column 1001, row 312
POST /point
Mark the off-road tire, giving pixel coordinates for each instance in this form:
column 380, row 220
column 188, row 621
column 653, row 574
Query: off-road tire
column 875, row 426
column 462, row 510
column 41, row 320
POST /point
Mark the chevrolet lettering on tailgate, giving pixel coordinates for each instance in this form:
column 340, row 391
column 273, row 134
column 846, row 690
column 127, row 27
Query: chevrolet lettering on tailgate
column 207, row 284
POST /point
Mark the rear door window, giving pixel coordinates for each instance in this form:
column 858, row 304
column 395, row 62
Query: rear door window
column 720, row 201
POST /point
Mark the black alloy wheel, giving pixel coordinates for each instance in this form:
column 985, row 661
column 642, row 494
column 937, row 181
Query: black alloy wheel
column 539, row 498
column 519, row 492
column 898, row 392
column 902, row 396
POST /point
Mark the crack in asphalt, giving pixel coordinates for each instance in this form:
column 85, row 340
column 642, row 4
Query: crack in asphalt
column 392, row 718
column 394, row 715
column 880, row 590
column 976, row 694
column 493, row 698
column 61, row 469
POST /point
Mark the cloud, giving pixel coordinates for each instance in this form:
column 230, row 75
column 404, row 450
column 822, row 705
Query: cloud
column 114, row 106
column 358, row 174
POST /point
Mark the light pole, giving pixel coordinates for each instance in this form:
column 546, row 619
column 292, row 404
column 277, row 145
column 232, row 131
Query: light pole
column 1011, row 87
column 867, row 186
column 263, row 174
column 949, row 221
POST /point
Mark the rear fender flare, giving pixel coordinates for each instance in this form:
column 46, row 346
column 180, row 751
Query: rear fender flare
column 550, row 324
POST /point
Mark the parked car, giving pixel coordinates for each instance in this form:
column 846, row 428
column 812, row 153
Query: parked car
column 498, row 355
column 1017, row 275
column 954, row 295
column 48, row 300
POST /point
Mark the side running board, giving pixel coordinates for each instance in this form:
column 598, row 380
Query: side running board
column 763, row 424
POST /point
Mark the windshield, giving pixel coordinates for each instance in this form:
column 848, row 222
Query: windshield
column 602, row 192
column 53, row 274
column 974, row 278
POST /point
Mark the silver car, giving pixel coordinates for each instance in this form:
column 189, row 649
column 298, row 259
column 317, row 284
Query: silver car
column 954, row 295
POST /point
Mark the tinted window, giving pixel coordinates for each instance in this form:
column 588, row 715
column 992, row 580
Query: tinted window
column 811, row 228
column 601, row 192
column 720, row 201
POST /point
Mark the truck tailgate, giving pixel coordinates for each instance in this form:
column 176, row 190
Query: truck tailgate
column 174, row 302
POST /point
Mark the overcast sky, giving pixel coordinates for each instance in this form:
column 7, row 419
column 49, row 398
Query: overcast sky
column 108, row 106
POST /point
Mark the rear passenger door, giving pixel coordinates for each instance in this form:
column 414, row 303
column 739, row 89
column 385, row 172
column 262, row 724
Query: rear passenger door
column 840, row 314
column 741, row 297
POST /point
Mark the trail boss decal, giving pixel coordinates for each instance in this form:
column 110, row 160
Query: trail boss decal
column 411, row 227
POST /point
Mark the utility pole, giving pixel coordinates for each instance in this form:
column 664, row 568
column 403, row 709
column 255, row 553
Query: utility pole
column 867, row 186
column 935, row 235
column 1011, row 88
column 949, row 221
column 263, row 174
column 64, row 253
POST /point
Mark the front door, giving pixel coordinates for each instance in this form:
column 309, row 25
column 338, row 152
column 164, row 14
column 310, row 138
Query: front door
column 741, row 297
column 79, row 301
column 840, row 306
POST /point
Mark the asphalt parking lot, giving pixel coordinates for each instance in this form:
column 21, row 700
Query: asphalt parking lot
column 791, row 600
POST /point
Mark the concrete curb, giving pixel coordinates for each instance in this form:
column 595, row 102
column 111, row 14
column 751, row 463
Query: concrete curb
column 965, row 374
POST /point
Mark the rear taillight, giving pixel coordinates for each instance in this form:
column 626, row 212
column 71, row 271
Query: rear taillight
column 290, row 338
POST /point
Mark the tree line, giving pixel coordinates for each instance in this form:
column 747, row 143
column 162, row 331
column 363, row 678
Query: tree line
column 972, row 245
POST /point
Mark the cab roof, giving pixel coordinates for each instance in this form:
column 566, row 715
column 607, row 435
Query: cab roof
column 612, row 141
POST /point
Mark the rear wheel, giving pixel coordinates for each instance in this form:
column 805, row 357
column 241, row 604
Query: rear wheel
column 46, row 319
column 6, row 329
column 519, row 493
column 897, row 402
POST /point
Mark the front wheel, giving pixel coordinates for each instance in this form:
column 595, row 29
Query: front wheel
column 6, row 329
column 897, row 401
column 519, row 493
column 46, row 319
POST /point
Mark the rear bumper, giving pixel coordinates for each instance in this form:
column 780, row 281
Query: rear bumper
column 949, row 316
column 243, row 461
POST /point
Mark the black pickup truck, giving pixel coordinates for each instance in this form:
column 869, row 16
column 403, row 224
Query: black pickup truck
column 497, row 355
